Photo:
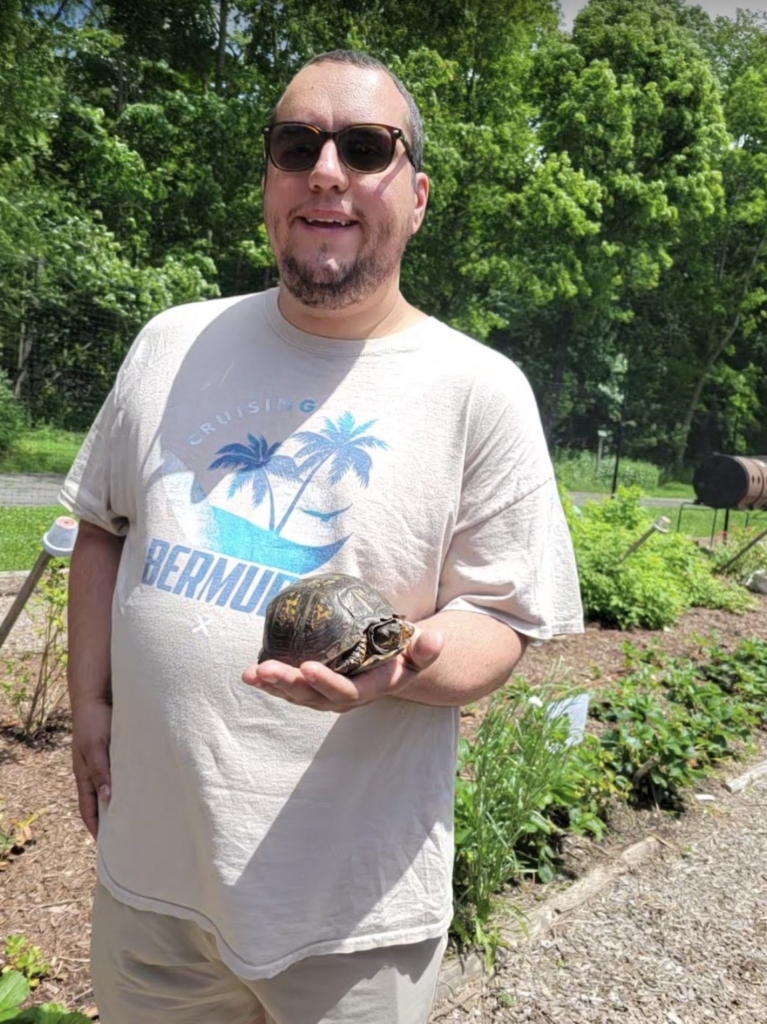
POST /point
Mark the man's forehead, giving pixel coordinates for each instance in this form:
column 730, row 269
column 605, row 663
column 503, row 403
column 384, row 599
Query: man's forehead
column 332, row 95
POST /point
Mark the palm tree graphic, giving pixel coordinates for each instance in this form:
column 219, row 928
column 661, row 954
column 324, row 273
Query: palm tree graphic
column 344, row 443
column 253, row 463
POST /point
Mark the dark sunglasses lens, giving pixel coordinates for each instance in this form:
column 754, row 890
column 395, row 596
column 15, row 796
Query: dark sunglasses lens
column 294, row 147
column 366, row 148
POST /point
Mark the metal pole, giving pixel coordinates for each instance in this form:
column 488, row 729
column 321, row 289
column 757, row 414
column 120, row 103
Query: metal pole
column 743, row 550
column 660, row 525
column 23, row 595
column 618, row 445
column 713, row 527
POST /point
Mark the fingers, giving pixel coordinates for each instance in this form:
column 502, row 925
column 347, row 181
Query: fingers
column 316, row 686
column 301, row 686
column 89, row 808
column 94, row 784
column 341, row 692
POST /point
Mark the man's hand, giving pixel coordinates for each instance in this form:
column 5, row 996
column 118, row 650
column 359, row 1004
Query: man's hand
column 315, row 686
column 91, row 728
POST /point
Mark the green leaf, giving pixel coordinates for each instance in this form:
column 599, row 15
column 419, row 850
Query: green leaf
column 50, row 1013
column 14, row 989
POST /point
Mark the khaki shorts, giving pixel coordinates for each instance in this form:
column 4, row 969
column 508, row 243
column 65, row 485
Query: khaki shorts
column 152, row 969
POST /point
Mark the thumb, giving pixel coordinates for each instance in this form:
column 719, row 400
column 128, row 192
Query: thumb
column 424, row 649
column 100, row 775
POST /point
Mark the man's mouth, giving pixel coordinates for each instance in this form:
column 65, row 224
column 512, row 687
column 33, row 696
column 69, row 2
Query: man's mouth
column 328, row 222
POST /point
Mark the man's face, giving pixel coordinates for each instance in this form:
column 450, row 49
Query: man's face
column 338, row 236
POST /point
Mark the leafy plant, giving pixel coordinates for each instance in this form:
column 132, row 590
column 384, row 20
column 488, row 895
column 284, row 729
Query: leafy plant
column 581, row 802
column 505, row 779
column 751, row 560
column 14, row 837
column 37, row 682
column 668, row 725
column 742, row 674
column 652, row 749
column 20, row 955
column 651, row 585
column 14, row 990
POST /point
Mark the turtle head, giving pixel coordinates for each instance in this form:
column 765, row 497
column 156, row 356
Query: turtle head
column 391, row 636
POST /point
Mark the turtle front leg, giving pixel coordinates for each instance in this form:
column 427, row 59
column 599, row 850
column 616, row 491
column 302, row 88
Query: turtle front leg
column 348, row 663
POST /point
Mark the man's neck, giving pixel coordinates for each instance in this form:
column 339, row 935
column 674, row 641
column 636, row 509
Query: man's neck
column 374, row 317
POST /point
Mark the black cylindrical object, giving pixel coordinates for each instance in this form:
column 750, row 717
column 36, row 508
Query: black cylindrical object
column 732, row 481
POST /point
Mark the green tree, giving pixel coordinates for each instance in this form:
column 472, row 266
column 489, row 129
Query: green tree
column 632, row 102
column 717, row 295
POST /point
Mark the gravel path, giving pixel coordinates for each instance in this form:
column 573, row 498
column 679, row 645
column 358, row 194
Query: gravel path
column 681, row 941
column 30, row 488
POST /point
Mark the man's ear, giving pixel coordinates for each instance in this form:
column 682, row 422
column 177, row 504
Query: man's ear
column 421, row 193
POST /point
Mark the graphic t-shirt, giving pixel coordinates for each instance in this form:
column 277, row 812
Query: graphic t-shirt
column 237, row 454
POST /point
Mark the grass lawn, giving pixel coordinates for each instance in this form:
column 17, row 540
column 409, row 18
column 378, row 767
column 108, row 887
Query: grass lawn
column 674, row 489
column 699, row 522
column 41, row 450
column 21, row 534
column 577, row 472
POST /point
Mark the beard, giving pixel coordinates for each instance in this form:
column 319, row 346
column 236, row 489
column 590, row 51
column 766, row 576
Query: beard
column 332, row 288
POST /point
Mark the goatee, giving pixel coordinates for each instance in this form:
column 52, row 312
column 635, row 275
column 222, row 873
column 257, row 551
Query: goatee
column 348, row 285
column 326, row 288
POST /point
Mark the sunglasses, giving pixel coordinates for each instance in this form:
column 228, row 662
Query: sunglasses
column 363, row 148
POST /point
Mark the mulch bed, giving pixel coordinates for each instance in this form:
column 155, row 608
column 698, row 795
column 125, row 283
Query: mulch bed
column 45, row 890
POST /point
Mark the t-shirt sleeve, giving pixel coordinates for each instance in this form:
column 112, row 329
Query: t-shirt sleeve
column 92, row 489
column 510, row 554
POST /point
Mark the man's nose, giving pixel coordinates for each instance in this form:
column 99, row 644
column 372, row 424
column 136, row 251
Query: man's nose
column 329, row 171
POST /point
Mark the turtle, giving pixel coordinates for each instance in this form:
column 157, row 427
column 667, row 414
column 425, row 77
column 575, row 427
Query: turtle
column 339, row 620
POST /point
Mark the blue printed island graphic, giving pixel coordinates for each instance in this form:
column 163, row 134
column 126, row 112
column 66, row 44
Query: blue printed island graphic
column 340, row 447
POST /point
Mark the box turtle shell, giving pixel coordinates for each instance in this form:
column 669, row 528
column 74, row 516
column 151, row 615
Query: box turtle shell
column 335, row 619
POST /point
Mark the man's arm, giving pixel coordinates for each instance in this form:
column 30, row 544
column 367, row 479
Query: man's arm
column 477, row 655
column 455, row 658
column 92, row 577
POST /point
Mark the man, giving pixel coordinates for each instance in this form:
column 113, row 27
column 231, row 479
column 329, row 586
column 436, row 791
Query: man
column 264, row 855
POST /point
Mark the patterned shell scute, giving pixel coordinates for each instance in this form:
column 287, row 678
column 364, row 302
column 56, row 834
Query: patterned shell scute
column 320, row 617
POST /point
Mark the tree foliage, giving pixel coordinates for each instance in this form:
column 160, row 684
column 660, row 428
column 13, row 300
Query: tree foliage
column 598, row 206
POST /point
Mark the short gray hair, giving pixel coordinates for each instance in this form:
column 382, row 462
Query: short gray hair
column 358, row 59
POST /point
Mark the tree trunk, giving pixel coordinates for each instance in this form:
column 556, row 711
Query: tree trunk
column 714, row 353
column 26, row 344
column 223, row 16
column 684, row 431
column 550, row 401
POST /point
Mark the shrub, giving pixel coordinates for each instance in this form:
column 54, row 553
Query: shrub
column 652, row 585
column 751, row 560
column 36, row 682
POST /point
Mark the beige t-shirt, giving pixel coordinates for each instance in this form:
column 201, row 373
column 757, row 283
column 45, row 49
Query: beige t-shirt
column 236, row 454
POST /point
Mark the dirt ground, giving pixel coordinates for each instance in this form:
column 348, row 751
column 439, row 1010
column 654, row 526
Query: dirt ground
column 660, row 944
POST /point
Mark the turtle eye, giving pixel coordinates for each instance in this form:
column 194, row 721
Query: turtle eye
column 386, row 637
